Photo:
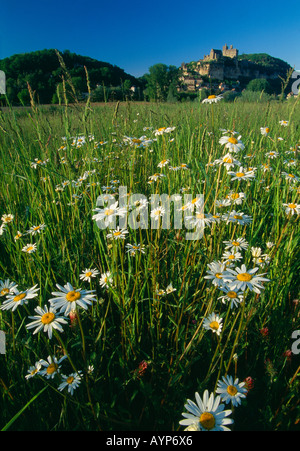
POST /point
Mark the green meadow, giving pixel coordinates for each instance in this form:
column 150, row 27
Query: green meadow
column 114, row 329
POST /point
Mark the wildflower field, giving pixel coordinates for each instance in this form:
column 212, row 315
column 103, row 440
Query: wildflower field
column 111, row 317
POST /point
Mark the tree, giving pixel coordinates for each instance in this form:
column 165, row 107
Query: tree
column 259, row 85
column 159, row 80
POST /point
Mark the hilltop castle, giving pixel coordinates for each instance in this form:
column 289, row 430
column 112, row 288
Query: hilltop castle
column 218, row 66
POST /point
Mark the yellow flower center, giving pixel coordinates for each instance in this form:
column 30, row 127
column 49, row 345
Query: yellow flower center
column 207, row 421
column 244, row 277
column 19, row 297
column 231, row 257
column 109, row 212
column 292, row 206
column 161, row 129
column 88, row 274
column 4, row 291
column 52, row 368
column 211, row 97
column 238, row 217
column 291, row 175
column 231, row 294
column 29, row 249
column 235, row 243
column 218, row 275
column 240, row 174
column 47, row 318
column 235, row 196
column 200, row 216
column 232, row 140
column 267, row 130
column 214, row 325
column 117, row 233
column 70, row 379
column 228, row 159
column 73, row 296
column 136, row 141
column 231, row 390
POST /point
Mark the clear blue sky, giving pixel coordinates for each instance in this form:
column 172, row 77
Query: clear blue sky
column 134, row 35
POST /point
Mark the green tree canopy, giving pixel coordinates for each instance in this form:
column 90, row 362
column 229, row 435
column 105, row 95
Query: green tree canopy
column 159, row 80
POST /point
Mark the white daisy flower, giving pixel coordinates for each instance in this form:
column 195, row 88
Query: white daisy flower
column 157, row 176
column 292, row 208
column 231, row 257
column 51, row 366
column 200, row 220
column 290, row 177
column 290, row 162
column 214, row 323
column 241, row 279
column 236, row 245
column 197, row 203
column 235, row 198
column 237, row 217
column 228, row 161
column 266, row 167
column 69, row 298
column 234, row 297
column 170, row 288
column 157, row 213
column 17, row 298
column 284, row 123
column 29, row 248
column 7, row 287
column 212, row 99
column 18, row 235
column 36, row 229
column 132, row 249
column 118, row 234
column 207, row 414
column 7, row 218
column 231, row 390
column 87, row 274
column 106, row 280
column 242, row 174
column 272, row 154
column 2, row 228
column 46, row 320
column 163, row 163
column 72, row 382
column 109, row 214
column 264, row 131
column 215, row 273
column 256, row 251
column 33, row 370
column 231, row 143
column 163, row 130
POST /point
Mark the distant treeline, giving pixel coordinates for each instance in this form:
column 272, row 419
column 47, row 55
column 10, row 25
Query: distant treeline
column 43, row 71
column 54, row 76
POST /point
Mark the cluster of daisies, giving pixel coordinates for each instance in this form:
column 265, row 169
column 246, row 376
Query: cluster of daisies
column 208, row 413
column 51, row 369
column 50, row 319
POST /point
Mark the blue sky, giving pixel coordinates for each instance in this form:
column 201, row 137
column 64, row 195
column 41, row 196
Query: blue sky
column 134, row 35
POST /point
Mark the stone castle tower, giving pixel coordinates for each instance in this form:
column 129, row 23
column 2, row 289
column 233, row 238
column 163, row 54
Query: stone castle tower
column 231, row 52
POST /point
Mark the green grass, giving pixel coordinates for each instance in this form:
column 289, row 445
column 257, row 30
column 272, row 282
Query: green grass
column 129, row 323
